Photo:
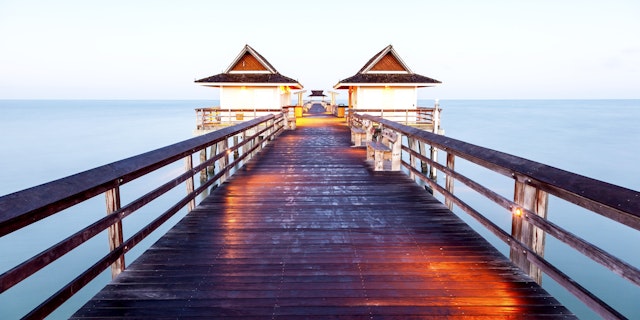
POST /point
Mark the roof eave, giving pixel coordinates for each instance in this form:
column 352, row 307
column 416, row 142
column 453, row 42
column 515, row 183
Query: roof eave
column 346, row 85
column 251, row 84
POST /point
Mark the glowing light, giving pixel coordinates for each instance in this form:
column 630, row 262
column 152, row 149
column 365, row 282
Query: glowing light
column 517, row 211
column 284, row 89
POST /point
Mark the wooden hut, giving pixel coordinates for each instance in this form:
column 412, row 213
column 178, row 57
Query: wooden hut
column 385, row 86
column 249, row 87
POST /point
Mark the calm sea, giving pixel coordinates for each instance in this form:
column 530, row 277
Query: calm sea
column 44, row 140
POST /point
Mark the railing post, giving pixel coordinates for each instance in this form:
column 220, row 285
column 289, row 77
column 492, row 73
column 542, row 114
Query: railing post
column 203, row 158
column 224, row 160
column 188, row 166
column 423, row 151
column 433, row 174
column 449, row 181
column 112, row 197
column 413, row 145
column 212, row 168
column 532, row 199
column 246, row 146
column 236, row 152
column 436, row 117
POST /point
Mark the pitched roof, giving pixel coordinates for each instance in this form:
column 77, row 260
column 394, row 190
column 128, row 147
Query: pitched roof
column 249, row 67
column 386, row 67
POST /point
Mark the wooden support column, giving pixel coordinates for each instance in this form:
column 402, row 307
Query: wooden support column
column 436, row 117
column 529, row 198
column 236, row 152
column 212, row 168
column 224, row 160
column 434, row 151
column 449, row 181
column 112, row 197
column 414, row 146
column 203, row 158
column 433, row 174
column 188, row 166
column 245, row 147
column 423, row 151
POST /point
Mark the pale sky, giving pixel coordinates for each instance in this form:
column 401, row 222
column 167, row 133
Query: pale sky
column 81, row 49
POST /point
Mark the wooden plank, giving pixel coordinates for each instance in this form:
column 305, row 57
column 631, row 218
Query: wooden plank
column 308, row 230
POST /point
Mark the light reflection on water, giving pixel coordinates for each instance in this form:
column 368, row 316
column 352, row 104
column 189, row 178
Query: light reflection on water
column 45, row 140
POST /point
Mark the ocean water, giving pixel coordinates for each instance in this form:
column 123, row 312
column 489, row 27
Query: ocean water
column 43, row 140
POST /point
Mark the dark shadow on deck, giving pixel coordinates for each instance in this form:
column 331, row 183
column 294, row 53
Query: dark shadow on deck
column 309, row 231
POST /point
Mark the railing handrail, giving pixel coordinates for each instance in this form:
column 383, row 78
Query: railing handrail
column 24, row 207
column 241, row 109
column 533, row 182
column 612, row 201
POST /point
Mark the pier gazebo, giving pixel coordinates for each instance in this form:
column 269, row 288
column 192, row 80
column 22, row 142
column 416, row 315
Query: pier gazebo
column 385, row 86
column 250, row 87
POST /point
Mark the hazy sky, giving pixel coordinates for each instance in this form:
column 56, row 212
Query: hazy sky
column 81, row 49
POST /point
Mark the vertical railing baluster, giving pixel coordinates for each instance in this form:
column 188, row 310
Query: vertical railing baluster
column 203, row 158
column 413, row 146
column 236, row 152
column 423, row 151
column 433, row 173
column 188, row 167
column 224, row 160
column 449, row 180
column 112, row 197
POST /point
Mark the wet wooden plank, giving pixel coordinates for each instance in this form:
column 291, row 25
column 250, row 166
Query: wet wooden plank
column 310, row 231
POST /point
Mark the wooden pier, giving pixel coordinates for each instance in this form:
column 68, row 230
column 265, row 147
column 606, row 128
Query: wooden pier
column 307, row 230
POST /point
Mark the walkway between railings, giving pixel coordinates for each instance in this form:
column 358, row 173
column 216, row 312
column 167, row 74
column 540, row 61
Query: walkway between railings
column 308, row 230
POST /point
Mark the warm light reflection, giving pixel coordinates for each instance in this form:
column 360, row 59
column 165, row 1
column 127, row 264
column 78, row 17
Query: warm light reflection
column 517, row 211
column 241, row 210
column 409, row 267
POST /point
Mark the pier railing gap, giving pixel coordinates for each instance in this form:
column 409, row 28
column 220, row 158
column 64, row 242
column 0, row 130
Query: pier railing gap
column 533, row 183
column 26, row 207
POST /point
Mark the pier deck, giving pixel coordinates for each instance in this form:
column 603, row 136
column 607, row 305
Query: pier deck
column 309, row 231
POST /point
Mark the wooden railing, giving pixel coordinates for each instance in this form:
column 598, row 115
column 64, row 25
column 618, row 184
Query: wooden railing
column 533, row 182
column 29, row 206
column 215, row 117
column 421, row 116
